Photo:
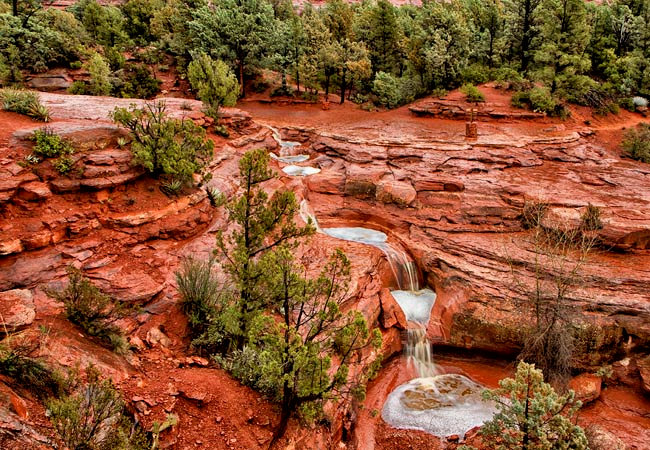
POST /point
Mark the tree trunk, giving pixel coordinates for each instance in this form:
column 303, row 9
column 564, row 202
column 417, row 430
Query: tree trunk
column 327, row 85
column 343, row 87
column 285, row 415
column 241, row 79
column 14, row 7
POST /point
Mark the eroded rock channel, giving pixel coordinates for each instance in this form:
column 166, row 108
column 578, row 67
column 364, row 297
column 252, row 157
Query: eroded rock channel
column 418, row 209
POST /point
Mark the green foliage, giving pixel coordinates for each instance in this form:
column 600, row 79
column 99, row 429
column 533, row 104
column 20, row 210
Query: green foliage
column 91, row 309
column 386, row 88
column 64, row 164
column 49, row 144
column 590, row 219
column 24, row 102
column 262, row 224
column 94, row 417
column 29, row 373
column 171, row 187
column 213, row 82
column 136, row 81
column 235, row 31
column 138, row 15
column 636, row 143
column 532, row 415
column 37, row 41
column 291, row 361
column 104, row 24
column 171, row 147
column 472, row 93
column 99, row 71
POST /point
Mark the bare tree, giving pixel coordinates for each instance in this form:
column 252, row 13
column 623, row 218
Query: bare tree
column 560, row 253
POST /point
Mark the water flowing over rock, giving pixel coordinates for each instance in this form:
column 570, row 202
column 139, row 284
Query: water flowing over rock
column 443, row 405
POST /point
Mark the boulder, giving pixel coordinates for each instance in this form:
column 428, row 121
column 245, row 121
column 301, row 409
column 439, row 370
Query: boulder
column 399, row 192
column 17, row 309
column 155, row 336
column 34, row 191
column 586, row 386
column 391, row 313
column 49, row 82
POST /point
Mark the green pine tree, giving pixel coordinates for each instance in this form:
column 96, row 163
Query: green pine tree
column 214, row 83
column 531, row 415
column 262, row 224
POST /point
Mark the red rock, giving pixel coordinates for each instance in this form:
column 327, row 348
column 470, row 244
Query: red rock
column 17, row 309
column 586, row 386
column 391, row 313
column 35, row 190
column 643, row 363
column 398, row 192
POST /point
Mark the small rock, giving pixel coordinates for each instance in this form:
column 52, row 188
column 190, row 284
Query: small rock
column 156, row 337
column 391, row 313
column 34, row 190
column 218, row 419
column 17, row 309
column 586, row 386
column 136, row 343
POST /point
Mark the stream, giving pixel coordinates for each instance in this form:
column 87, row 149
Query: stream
column 434, row 402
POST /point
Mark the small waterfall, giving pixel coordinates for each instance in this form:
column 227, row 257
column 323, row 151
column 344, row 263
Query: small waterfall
column 418, row 351
column 401, row 264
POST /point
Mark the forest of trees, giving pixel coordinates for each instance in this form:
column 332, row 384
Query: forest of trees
column 593, row 54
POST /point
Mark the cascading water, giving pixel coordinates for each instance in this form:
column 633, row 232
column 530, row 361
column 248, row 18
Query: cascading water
column 441, row 404
column 286, row 148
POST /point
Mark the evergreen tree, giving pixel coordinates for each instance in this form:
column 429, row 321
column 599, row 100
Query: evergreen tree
column 234, row 30
column 522, row 23
column 263, row 224
column 378, row 28
column 214, row 83
column 564, row 33
column 531, row 415
column 291, row 360
column 99, row 75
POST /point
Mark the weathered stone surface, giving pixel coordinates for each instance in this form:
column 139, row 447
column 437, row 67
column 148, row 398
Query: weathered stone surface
column 50, row 82
column 156, row 337
column 643, row 363
column 398, row 192
column 34, row 190
column 586, row 386
column 17, row 309
column 391, row 313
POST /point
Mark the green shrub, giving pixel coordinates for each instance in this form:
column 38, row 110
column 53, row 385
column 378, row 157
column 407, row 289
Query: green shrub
column 91, row 309
column 541, row 100
column 76, row 65
column 506, row 75
column 472, row 93
column 530, row 414
column 387, row 89
column 636, row 143
column 627, row 103
column 200, row 293
column 137, row 82
column 590, row 219
column 24, row 102
column 100, row 72
column 49, row 144
column 171, row 187
column 214, row 83
column 94, row 418
column 64, row 164
column 476, row 74
column 171, row 147
column 30, row 373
